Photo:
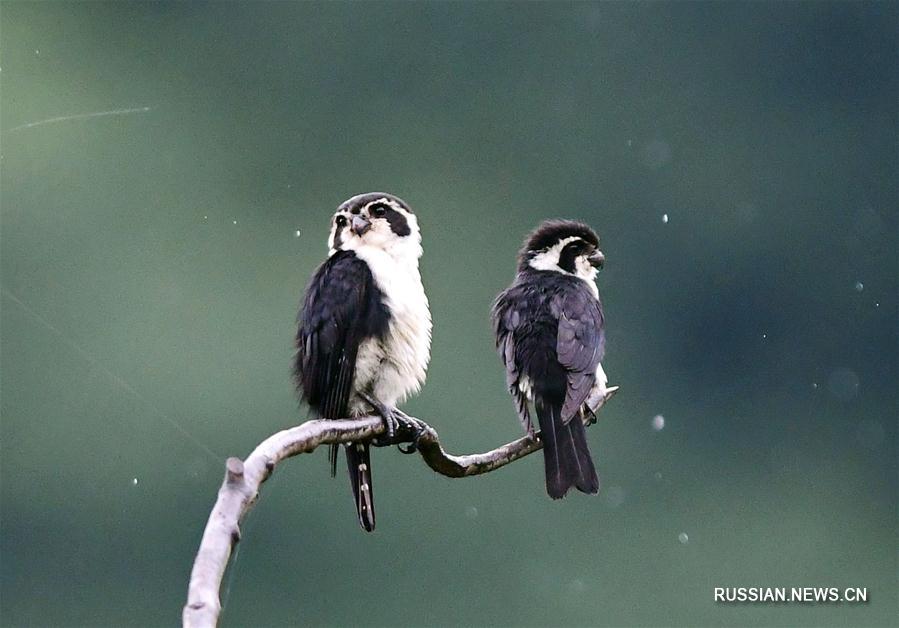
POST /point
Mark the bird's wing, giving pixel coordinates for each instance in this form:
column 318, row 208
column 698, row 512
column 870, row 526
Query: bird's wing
column 341, row 309
column 506, row 319
column 580, row 343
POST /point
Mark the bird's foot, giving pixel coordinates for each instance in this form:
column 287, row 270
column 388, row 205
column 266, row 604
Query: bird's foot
column 414, row 429
column 399, row 427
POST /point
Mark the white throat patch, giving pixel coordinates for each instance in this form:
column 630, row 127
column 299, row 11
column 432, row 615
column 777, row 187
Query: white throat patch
column 405, row 249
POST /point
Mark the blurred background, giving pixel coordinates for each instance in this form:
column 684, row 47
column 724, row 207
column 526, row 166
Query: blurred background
column 168, row 174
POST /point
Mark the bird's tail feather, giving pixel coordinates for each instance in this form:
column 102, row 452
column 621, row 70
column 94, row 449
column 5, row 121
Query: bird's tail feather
column 566, row 457
column 359, row 465
column 332, row 458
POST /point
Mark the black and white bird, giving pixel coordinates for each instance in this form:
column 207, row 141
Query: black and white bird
column 549, row 333
column 364, row 335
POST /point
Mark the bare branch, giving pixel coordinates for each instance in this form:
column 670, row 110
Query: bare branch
column 243, row 479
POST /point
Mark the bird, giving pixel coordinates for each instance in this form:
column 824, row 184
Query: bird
column 364, row 329
column 549, row 330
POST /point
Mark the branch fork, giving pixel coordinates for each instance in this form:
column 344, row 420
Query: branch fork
column 240, row 489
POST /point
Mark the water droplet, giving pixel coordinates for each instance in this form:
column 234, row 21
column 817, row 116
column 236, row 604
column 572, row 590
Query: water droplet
column 205, row 217
column 471, row 512
column 843, row 384
column 665, row 218
column 877, row 305
column 658, row 423
column 683, row 538
column 859, row 286
column 815, row 385
column 234, row 222
column 297, row 233
column 37, row 52
column 764, row 336
column 134, row 481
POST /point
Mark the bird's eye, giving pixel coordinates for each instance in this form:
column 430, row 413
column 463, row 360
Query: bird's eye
column 378, row 211
column 340, row 221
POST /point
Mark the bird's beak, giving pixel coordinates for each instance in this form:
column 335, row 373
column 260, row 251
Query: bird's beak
column 360, row 225
column 596, row 259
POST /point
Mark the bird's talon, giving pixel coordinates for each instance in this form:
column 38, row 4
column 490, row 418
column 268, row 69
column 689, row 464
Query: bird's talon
column 390, row 424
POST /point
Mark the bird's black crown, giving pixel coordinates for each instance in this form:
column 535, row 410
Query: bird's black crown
column 550, row 232
column 361, row 200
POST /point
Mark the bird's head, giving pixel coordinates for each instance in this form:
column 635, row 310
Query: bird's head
column 376, row 220
column 563, row 246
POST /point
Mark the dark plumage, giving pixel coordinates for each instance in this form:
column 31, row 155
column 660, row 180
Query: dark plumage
column 342, row 308
column 363, row 340
column 549, row 333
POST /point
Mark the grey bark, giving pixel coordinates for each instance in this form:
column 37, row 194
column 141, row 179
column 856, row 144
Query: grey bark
column 240, row 490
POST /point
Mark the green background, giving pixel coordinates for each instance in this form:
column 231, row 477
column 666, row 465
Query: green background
column 146, row 336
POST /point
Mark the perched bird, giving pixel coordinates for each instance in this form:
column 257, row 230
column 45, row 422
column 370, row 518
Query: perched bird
column 364, row 336
column 549, row 333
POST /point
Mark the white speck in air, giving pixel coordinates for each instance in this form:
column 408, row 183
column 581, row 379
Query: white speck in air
column 630, row 143
column 657, row 475
column 665, row 218
column 877, row 305
column 134, row 481
column 234, row 222
column 815, row 385
column 658, row 423
column 297, row 233
column 683, row 538
column 471, row 512
column 764, row 336
column 37, row 52
column 205, row 217
column 859, row 286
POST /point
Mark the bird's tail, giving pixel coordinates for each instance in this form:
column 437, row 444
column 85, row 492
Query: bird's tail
column 565, row 455
column 332, row 458
column 359, row 465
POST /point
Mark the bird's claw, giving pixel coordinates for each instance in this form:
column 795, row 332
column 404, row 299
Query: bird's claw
column 398, row 427
column 418, row 428
column 391, row 427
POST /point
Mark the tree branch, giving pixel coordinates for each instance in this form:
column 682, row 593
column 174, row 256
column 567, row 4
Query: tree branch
column 240, row 489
